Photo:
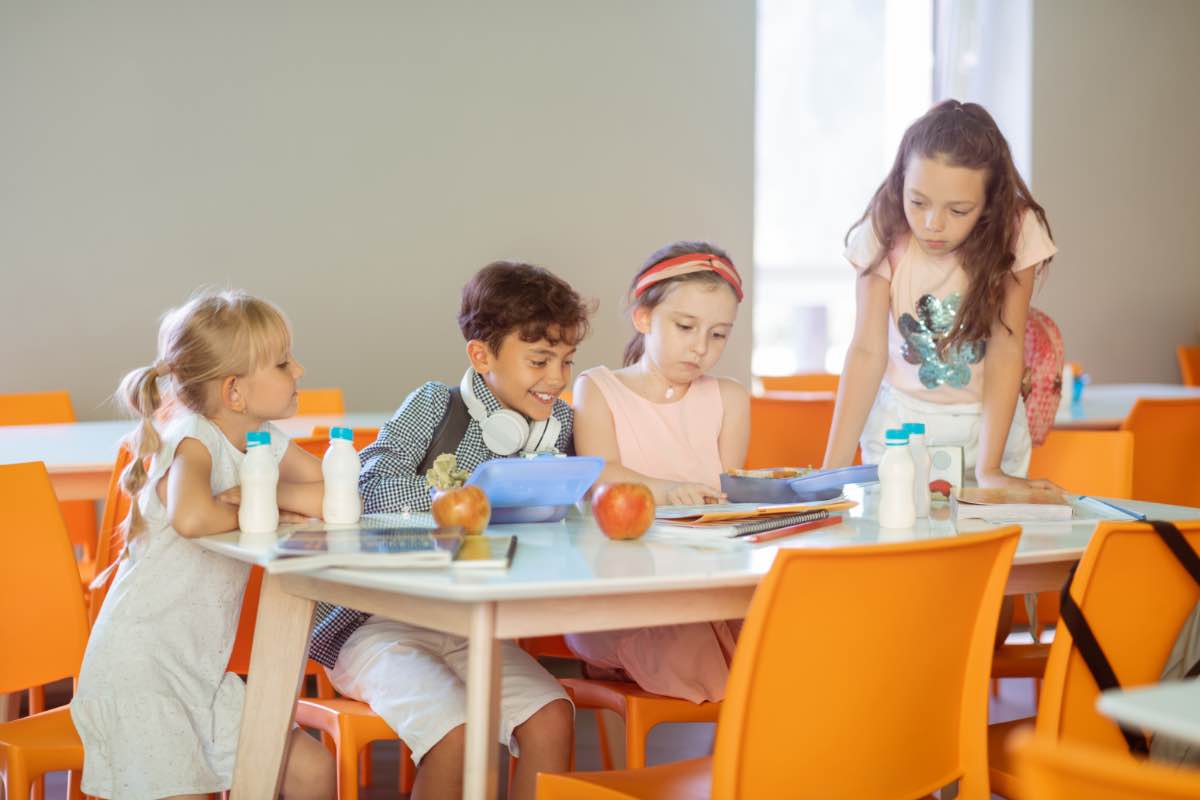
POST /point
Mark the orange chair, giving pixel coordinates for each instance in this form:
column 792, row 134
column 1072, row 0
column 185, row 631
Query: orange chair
column 45, row 408
column 37, row 570
column 1189, row 364
column 886, row 710
column 804, row 382
column 641, row 710
column 1136, row 596
column 110, row 540
column 1167, row 432
column 315, row 402
column 362, row 436
column 1083, row 462
column 788, row 430
column 352, row 725
column 1060, row 770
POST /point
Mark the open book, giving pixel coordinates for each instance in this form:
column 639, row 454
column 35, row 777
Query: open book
column 730, row 520
column 313, row 548
column 1009, row 504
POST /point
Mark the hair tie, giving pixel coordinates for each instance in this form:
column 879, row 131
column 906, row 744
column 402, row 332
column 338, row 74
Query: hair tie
column 686, row 265
column 161, row 369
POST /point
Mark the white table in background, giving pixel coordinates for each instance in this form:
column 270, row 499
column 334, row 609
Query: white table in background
column 566, row 577
column 1105, row 406
column 79, row 455
column 1171, row 708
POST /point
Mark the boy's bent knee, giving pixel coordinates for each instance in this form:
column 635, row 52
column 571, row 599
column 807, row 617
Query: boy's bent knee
column 556, row 718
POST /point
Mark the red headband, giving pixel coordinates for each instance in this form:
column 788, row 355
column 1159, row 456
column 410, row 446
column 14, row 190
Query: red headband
column 687, row 264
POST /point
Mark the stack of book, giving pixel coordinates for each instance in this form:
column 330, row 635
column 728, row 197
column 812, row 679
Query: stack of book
column 747, row 521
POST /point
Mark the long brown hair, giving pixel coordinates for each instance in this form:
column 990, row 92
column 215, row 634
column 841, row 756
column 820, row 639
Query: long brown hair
column 215, row 334
column 963, row 135
column 658, row 291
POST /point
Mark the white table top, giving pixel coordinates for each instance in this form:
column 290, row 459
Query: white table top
column 93, row 445
column 573, row 557
column 1109, row 404
column 1172, row 708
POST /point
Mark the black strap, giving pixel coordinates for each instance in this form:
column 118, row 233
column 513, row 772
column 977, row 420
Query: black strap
column 1089, row 647
column 450, row 430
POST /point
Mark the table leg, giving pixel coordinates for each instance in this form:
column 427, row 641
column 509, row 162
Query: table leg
column 276, row 672
column 480, row 777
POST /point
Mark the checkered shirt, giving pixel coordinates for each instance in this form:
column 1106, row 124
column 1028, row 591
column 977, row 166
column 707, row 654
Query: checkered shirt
column 389, row 482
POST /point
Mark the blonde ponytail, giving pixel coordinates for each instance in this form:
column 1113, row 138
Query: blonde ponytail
column 139, row 391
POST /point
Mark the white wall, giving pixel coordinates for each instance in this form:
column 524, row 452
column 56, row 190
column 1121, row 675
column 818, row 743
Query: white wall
column 355, row 162
column 1116, row 162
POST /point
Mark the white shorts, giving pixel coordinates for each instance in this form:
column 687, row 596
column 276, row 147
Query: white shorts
column 948, row 424
column 414, row 678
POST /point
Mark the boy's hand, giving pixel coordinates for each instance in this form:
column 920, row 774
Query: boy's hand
column 693, row 494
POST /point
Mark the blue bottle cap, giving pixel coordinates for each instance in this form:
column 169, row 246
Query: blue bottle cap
column 341, row 433
column 896, row 436
column 256, row 438
column 914, row 427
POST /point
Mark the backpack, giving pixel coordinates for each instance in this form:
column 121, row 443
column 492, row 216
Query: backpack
column 1182, row 664
column 1041, row 384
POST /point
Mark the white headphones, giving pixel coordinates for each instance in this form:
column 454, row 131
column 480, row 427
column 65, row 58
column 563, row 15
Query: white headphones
column 505, row 431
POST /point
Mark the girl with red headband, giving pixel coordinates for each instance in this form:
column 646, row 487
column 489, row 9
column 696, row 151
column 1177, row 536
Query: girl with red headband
column 663, row 421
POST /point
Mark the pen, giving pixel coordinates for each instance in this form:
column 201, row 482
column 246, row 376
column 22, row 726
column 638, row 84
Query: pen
column 1113, row 507
column 767, row 536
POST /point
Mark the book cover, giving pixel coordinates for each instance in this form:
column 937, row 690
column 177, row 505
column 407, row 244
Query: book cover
column 486, row 552
column 1016, row 504
column 312, row 548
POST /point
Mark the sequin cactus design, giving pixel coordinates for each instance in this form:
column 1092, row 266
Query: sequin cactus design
column 921, row 335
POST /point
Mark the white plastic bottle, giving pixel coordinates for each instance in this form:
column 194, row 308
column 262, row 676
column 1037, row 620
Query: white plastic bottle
column 919, row 454
column 259, row 474
column 896, row 508
column 341, row 504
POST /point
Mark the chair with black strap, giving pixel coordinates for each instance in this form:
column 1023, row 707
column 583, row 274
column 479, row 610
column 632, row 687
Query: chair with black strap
column 1122, row 611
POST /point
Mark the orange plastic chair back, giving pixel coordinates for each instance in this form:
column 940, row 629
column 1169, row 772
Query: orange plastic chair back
column 1135, row 595
column 788, row 431
column 1061, row 770
column 45, row 624
column 1189, row 364
column 109, row 541
column 36, row 408
column 313, row 402
column 1086, row 462
column 362, row 436
column 804, row 382
column 566, row 396
column 1167, row 437
column 830, row 672
column 317, row 445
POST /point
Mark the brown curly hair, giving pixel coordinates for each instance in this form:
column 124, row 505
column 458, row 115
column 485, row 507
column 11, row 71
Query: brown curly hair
column 963, row 135
column 508, row 296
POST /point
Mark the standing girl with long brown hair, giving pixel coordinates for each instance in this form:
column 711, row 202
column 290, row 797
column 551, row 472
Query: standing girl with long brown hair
column 947, row 254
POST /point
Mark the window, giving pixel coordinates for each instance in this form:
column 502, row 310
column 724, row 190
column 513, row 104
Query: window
column 837, row 85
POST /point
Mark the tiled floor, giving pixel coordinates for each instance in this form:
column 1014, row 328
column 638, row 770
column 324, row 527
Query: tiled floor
column 667, row 743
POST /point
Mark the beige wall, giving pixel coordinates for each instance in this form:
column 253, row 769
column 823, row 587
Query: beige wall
column 1116, row 163
column 355, row 162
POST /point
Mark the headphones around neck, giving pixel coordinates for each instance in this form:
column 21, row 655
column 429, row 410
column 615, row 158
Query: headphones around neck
column 506, row 431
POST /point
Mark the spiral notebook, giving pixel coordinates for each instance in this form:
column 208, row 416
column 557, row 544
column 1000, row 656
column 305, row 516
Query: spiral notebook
column 743, row 528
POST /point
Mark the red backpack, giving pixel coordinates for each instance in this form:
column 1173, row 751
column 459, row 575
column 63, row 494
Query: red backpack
column 1041, row 385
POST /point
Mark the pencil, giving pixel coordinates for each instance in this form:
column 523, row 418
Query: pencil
column 790, row 530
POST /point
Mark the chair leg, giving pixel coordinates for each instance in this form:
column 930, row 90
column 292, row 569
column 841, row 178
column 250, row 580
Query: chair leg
column 365, row 773
column 636, row 730
column 512, row 769
column 74, row 792
column 606, row 759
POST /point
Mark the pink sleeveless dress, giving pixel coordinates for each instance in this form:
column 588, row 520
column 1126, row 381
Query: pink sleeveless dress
column 672, row 441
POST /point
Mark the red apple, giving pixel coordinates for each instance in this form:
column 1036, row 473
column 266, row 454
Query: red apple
column 623, row 510
column 467, row 506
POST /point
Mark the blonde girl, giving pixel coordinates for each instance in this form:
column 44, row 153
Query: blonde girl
column 946, row 254
column 155, row 708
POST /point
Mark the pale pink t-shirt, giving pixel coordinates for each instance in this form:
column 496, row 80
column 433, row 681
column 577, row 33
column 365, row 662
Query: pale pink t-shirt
column 670, row 441
column 926, row 293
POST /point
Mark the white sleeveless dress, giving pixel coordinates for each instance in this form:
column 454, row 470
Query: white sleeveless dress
column 156, row 711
